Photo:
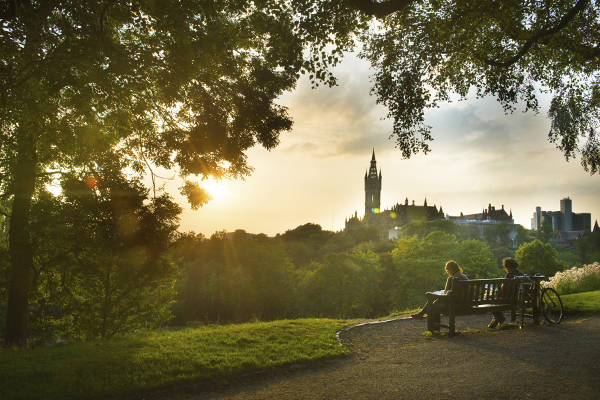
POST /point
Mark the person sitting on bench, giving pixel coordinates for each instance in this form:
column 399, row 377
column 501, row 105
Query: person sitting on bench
column 454, row 271
column 512, row 269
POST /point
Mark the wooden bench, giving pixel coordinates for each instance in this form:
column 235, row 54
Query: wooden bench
column 478, row 296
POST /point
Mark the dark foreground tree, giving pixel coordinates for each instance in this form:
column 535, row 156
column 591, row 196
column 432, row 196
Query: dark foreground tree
column 187, row 84
column 101, row 263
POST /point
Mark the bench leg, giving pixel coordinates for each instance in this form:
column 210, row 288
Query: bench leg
column 451, row 325
column 433, row 322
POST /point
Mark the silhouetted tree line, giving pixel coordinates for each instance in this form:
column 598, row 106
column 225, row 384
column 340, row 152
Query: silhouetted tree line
column 310, row 272
column 112, row 262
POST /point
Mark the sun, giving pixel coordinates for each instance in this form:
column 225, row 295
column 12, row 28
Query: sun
column 216, row 190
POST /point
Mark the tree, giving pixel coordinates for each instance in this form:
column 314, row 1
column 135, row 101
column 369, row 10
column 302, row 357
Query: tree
column 476, row 259
column 303, row 232
column 344, row 286
column 546, row 232
column 339, row 243
column 537, row 258
column 362, row 234
column 499, row 233
column 424, row 51
column 234, row 280
column 187, row 85
column 523, row 234
column 101, row 263
column 424, row 228
column 420, row 266
column 192, row 85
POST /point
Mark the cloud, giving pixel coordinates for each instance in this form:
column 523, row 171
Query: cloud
column 337, row 122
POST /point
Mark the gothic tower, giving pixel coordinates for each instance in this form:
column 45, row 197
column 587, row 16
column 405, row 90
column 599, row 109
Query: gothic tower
column 372, row 188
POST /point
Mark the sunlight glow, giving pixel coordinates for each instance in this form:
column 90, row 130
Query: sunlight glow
column 217, row 190
column 54, row 188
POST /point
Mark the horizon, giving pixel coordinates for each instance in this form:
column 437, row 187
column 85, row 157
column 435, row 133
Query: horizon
column 479, row 156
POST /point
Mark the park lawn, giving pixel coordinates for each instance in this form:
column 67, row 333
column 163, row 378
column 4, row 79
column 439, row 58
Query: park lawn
column 581, row 302
column 153, row 360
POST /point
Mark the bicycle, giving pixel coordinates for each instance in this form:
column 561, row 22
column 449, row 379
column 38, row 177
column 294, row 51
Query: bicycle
column 541, row 300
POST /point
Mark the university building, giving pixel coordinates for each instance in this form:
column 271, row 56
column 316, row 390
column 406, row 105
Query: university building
column 390, row 221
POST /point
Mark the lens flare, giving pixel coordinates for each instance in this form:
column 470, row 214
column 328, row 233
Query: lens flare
column 92, row 181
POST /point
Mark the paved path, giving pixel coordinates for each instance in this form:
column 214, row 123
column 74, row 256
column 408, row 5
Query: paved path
column 394, row 360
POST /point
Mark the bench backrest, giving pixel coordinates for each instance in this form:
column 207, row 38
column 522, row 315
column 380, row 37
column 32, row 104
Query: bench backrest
column 475, row 292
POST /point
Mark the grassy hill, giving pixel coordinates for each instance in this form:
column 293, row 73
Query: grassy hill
column 152, row 360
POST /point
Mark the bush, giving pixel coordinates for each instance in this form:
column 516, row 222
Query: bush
column 577, row 280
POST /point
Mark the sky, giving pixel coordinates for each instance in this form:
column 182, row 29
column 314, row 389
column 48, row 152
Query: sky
column 479, row 156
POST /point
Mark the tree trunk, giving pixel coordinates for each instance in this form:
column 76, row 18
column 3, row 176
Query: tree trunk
column 21, row 253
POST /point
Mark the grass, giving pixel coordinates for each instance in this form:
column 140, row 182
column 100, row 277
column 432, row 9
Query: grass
column 581, row 302
column 155, row 360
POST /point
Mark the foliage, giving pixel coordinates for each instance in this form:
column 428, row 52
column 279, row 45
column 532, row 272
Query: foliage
column 363, row 234
column 423, row 52
column 345, row 285
column 101, row 265
column 537, row 258
column 237, row 280
column 476, row 260
column 523, row 234
column 577, row 280
column 424, row 228
column 501, row 252
column 416, row 277
column 546, row 232
column 420, row 266
column 192, row 85
column 380, row 247
column 339, row 243
column 587, row 247
column 499, row 233
column 186, row 85
column 568, row 259
column 137, row 363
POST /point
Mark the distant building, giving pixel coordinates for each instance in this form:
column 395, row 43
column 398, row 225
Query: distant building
column 488, row 217
column 564, row 220
column 389, row 221
column 567, row 240
column 372, row 188
column 491, row 214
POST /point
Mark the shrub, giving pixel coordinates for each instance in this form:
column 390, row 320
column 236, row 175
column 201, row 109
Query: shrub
column 577, row 280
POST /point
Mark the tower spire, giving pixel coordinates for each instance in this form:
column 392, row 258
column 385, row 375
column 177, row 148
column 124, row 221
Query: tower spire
column 372, row 188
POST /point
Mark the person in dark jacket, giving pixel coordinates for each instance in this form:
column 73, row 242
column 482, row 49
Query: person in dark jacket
column 453, row 271
column 512, row 270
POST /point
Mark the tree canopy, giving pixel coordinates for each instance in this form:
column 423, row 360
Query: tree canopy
column 425, row 51
column 186, row 85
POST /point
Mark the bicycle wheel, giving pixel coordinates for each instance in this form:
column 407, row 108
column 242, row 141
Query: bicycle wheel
column 551, row 306
column 521, row 308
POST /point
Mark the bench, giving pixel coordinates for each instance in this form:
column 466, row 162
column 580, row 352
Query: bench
column 478, row 296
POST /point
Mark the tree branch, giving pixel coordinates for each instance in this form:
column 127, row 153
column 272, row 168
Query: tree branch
column 103, row 15
column 380, row 9
column 49, row 173
column 541, row 34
